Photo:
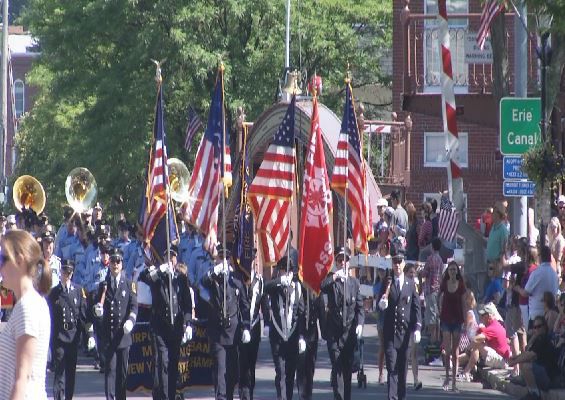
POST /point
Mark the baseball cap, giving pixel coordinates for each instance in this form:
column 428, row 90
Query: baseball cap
column 561, row 199
column 382, row 202
column 491, row 310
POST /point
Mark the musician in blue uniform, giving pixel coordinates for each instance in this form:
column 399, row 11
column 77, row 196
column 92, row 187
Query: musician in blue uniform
column 167, row 336
column 228, row 323
column 286, row 325
column 67, row 305
column 117, row 309
column 400, row 302
column 343, row 331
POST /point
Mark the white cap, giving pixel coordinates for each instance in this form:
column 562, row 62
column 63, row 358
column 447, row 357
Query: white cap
column 382, row 202
column 561, row 199
column 11, row 219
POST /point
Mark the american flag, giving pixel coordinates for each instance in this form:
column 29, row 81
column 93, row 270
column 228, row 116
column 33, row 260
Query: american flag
column 271, row 191
column 448, row 221
column 194, row 124
column 349, row 174
column 201, row 209
column 491, row 9
column 155, row 199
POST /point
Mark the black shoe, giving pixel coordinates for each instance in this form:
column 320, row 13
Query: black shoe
column 418, row 386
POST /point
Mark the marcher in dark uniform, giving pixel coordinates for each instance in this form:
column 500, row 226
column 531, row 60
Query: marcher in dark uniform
column 286, row 330
column 401, row 305
column 117, row 307
column 167, row 337
column 248, row 351
column 307, row 361
column 224, row 334
column 342, row 333
column 67, row 305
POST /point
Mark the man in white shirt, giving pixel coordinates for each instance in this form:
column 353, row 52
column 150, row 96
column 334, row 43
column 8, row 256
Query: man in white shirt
column 543, row 279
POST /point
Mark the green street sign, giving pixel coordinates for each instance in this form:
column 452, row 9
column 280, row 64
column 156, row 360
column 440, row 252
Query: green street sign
column 519, row 124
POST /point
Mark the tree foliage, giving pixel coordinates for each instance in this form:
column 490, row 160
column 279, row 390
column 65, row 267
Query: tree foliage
column 95, row 78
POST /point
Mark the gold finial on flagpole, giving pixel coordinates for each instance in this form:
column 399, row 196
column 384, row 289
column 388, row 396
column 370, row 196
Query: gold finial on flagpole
column 348, row 74
column 158, row 76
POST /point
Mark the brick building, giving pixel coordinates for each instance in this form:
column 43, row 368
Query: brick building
column 416, row 90
column 23, row 51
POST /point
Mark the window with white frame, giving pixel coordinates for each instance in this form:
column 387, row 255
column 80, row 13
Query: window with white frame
column 19, row 97
column 434, row 149
column 432, row 59
column 437, row 197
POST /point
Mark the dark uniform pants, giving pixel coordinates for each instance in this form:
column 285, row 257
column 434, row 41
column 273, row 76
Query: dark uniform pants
column 247, row 360
column 342, row 365
column 306, row 367
column 64, row 361
column 166, row 348
column 285, row 357
column 115, row 373
column 225, row 369
column 397, row 368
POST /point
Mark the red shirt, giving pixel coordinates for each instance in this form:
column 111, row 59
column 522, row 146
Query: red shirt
column 495, row 335
column 452, row 303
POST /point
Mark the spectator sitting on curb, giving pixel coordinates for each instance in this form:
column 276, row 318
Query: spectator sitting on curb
column 538, row 364
column 490, row 343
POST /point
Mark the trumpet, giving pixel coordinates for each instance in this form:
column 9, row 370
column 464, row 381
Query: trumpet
column 80, row 189
column 28, row 193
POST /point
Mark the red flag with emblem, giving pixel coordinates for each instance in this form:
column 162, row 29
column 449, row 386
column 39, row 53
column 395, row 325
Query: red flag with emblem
column 315, row 256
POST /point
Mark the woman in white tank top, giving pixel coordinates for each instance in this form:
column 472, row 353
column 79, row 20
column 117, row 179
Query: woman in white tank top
column 24, row 339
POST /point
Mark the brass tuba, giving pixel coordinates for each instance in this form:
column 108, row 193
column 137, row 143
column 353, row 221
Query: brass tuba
column 80, row 189
column 179, row 178
column 27, row 193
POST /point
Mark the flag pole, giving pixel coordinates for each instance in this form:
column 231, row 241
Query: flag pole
column 347, row 82
column 224, row 195
column 159, row 79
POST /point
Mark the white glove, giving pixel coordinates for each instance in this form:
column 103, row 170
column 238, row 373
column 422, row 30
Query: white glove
column 417, row 336
column 383, row 303
column 340, row 274
column 91, row 344
column 301, row 345
column 359, row 331
column 187, row 337
column 246, row 336
column 98, row 309
column 286, row 280
column 128, row 326
column 165, row 268
column 221, row 268
column 266, row 331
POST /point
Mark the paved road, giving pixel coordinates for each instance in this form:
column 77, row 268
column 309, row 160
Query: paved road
column 90, row 383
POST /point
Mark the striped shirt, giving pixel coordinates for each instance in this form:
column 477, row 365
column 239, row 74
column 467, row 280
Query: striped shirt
column 30, row 316
column 432, row 272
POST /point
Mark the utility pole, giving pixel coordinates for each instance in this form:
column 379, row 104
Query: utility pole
column 4, row 132
column 520, row 206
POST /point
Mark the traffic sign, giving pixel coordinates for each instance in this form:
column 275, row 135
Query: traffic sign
column 519, row 124
column 518, row 188
column 512, row 168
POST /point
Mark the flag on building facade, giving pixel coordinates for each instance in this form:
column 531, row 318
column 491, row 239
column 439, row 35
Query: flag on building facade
column 349, row 174
column 243, row 222
column 271, row 191
column 193, row 126
column 315, row 257
column 201, row 209
column 155, row 202
column 491, row 9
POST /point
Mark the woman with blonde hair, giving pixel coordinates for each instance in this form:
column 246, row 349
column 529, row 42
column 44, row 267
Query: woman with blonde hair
column 24, row 341
column 556, row 242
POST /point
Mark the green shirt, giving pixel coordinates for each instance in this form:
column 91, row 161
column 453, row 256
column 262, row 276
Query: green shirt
column 496, row 242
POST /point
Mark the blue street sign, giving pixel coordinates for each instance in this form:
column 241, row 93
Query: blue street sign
column 518, row 188
column 512, row 168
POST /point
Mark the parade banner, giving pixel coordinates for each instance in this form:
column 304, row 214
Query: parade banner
column 195, row 362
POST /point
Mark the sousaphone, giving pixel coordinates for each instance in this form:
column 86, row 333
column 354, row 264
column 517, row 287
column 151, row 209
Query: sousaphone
column 179, row 178
column 80, row 189
column 28, row 193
